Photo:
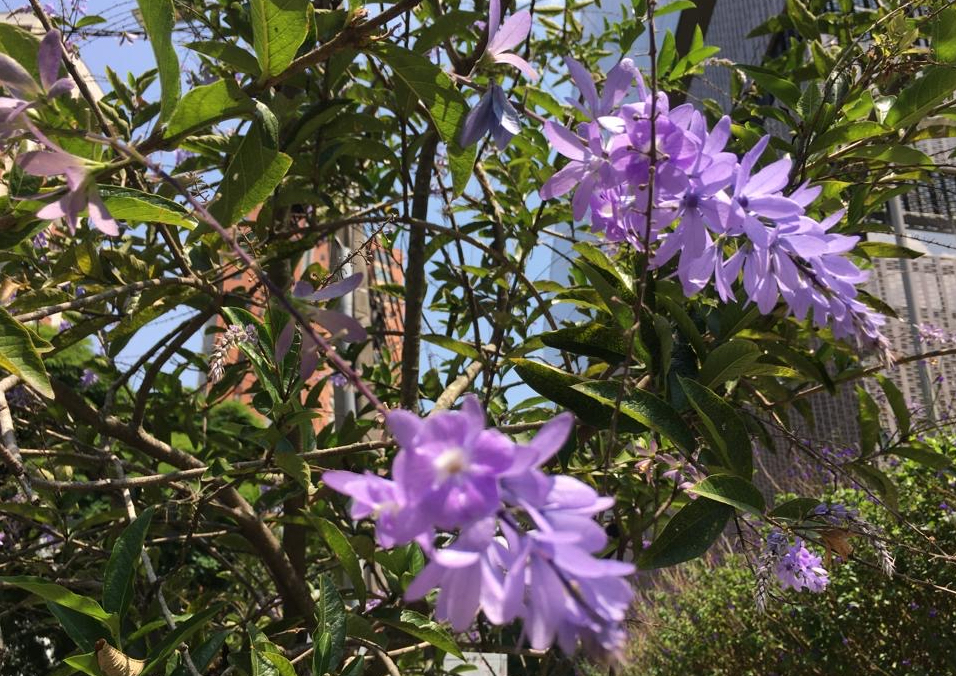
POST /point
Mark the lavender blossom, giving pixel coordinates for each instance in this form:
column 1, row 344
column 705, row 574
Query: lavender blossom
column 526, row 541
column 340, row 325
column 88, row 379
column 800, row 569
column 507, row 36
column 720, row 216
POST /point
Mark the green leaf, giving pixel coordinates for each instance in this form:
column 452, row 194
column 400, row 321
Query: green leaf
column 345, row 553
column 296, row 467
column 688, row 534
column 230, row 54
column 269, row 663
column 453, row 345
column 923, row 456
column 331, row 619
column 731, row 490
column 869, row 420
column 802, row 19
column 19, row 355
column 135, row 206
column 446, row 106
column 897, row 403
column 559, row 387
column 21, row 46
column 278, row 29
column 424, row 629
column 913, row 103
column 82, row 629
column 887, row 250
column 723, row 427
column 846, row 133
column 158, row 19
column 210, row 103
column 182, row 632
column 783, row 89
column 878, row 482
column 85, row 663
column 591, row 339
column 54, row 593
column 250, row 179
column 794, row 510
column 646, row 409
column 121, row 567
column 203, row 655
column 728, row 361
column 943, row 34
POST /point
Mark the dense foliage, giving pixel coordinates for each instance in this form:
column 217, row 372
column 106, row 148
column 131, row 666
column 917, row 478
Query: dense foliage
column 236, row 526
column 863, row 624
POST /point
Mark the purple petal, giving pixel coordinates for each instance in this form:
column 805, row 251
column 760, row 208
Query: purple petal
column 404, row 426
column 563, row 181
column 284, row 341
column 340, row 325
column 60, row 87
column 770, row 179
column 338, row 289
column 515, row 29
column 100, row 215
column 564, row 141
column 505, row 113
column 46, row 163
column 16, row 79
column 309, row 357
column 479, row 120
column 774, row 206
column 747, row 164
column 48, row 58
column 517, row 62
column 550, row 438
column 585, row 83
column 619, row 80
column 494, row 19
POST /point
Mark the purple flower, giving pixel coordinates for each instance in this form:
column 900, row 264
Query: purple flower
column 340, row 325
column 88, row 379
column 456, row 476
column 338, row 380
column 40, row 240
column 619, row 80
column 800, row 569
column 507, row 36
column 80, row 191
column 65, row 325
column 494, row 114
column 25, row 90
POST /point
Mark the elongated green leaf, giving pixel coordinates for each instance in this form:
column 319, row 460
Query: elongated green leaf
column 424, row 629
column 869, row 419
column 118, row 578
column 19, row 355
column 278, row 29
column 82, row 629
column 295, row 466
column 250, row 179
column 922, row 455
column 210, row 103
column 722, row 426
column 85, row 663
column 731, row 490
column 558, row 386
column 794, row 510
column 322, row 653
column 343, row 550
column 846, row 133
column 446, row 106
column 783, row 89
column 331, row 619
column 453, row 345
column 688, row 534
column 887, row 250
column 936, row 85
column 228, row 53
column 591, row 339
column 271, row 664
column 54, row 593
column 728, row 361
column 203, row 655
column 897, row 404
column 182, row 632
column 158, row 19
column 646, row 409
column 943, row 35
column 135, row 206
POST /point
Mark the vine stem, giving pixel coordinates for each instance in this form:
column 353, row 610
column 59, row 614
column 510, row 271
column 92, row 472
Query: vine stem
column 324, row 345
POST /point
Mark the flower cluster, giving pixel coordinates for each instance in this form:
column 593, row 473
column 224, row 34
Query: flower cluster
column 80, row 192
column 930, row 334
column 651, row 175
column 233, row 337
column 516, row 543
column 794, row 567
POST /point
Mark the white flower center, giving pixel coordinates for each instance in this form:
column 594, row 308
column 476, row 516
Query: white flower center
column 451, row 462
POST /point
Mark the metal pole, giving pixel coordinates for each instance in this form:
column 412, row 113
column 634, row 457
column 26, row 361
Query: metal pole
column 343, row 398
column 899, row 230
